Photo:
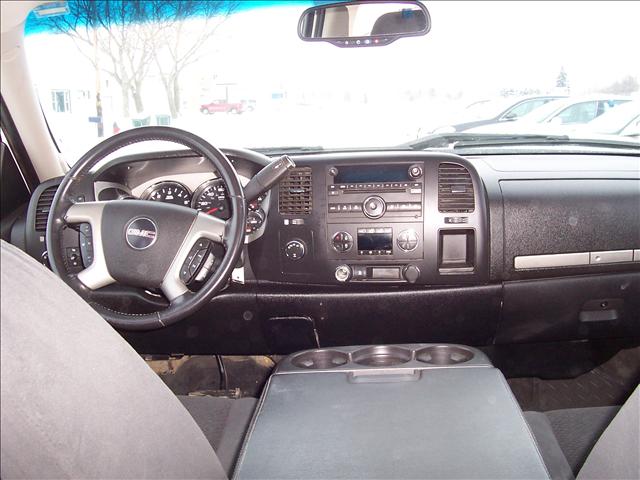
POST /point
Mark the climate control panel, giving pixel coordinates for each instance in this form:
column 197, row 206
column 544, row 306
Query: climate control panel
column 342, row 242
column 373, row 241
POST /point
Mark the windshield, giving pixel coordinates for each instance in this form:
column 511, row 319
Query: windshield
column 237, row 74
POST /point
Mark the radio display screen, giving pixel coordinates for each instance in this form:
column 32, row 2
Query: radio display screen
column 375, row 241
column 372, row 173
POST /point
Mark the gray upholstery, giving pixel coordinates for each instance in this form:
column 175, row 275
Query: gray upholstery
column 578, row 429
column 224, row 423
column 617, row 452
column 598, row 442
column 76, row 400
column 554, row 459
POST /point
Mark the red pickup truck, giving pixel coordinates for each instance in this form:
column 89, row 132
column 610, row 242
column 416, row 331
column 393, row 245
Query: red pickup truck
column 222, row 106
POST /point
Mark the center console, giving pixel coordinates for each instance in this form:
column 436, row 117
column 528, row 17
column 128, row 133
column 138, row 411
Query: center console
column 406, row 217
column 375, row 212
column 389, row 411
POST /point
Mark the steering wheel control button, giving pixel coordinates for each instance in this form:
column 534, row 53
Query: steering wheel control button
column 86, row 244
column 407, row 240
column 342, row 242
column 374, row 207
column 141, row 233
column 295, row 250
column 194, row 260
column 73, row 257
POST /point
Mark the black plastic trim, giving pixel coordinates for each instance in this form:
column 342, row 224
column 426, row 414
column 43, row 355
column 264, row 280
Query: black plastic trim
column 17, row 147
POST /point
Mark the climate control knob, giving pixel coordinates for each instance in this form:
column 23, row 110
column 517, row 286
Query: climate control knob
column 374, row 207
column 343, row 273
column 407, row 240
column 342, row 242
column 295, row 249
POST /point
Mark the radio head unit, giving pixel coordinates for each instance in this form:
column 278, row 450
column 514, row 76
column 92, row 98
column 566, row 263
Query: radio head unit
column 375, row 191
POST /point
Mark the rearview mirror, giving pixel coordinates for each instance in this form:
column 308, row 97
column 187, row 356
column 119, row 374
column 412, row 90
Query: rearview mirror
column 368, row 23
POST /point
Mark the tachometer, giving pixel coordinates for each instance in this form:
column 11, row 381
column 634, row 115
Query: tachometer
column 211, row 197
column 168, row 192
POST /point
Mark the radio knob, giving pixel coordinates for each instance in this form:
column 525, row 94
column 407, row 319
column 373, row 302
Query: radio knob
column 295, row 249
column 343, row 273
column 342, row 242
column 374, row 207
column 333, row 171
column 407, row 240
column 415, row 171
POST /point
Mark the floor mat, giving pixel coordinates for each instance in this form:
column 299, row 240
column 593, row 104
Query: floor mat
column 606, row 385
column 200, row 373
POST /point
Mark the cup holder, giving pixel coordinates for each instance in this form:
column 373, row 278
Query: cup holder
column 381, row 356
column 320, row 359
column 444, row 355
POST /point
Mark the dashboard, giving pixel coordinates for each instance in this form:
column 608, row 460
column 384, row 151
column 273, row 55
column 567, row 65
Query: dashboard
column 396, row 247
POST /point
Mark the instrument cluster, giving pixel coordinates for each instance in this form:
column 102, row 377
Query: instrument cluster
column 209, row 197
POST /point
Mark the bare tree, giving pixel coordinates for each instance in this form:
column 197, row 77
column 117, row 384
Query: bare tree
column 118, row 29
column 178, row 44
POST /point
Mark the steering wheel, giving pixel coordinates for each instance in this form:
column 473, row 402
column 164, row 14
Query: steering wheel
column 142, row 243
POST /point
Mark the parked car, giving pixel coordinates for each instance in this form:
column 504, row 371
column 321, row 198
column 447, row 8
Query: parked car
column 222, row 106
column 553, row 117
column 623, row 120
column 489, row 112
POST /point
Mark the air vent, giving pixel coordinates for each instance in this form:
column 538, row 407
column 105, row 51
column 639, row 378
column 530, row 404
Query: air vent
column 43, row 207
column 296, row 192
column 455, row 189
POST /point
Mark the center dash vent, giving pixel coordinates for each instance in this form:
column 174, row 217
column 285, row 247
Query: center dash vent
column 455, row 189
column 43, row 207
column 296, row 192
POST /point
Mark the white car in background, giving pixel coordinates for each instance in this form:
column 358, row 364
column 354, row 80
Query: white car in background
column 623, row 120
column 558, row 115
column 492, row 112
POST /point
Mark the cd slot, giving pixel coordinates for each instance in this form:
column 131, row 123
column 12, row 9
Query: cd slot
column 362, row 190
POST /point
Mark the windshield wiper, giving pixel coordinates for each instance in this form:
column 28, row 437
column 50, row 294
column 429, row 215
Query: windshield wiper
column 285, row 150
column 476, row 140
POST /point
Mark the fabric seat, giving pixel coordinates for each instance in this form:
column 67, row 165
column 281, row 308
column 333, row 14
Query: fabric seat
column 223, row 421
column 76, row 401
column 598, row 442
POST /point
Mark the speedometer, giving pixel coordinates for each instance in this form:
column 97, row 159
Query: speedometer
column 211, row 197
column 168, row 192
